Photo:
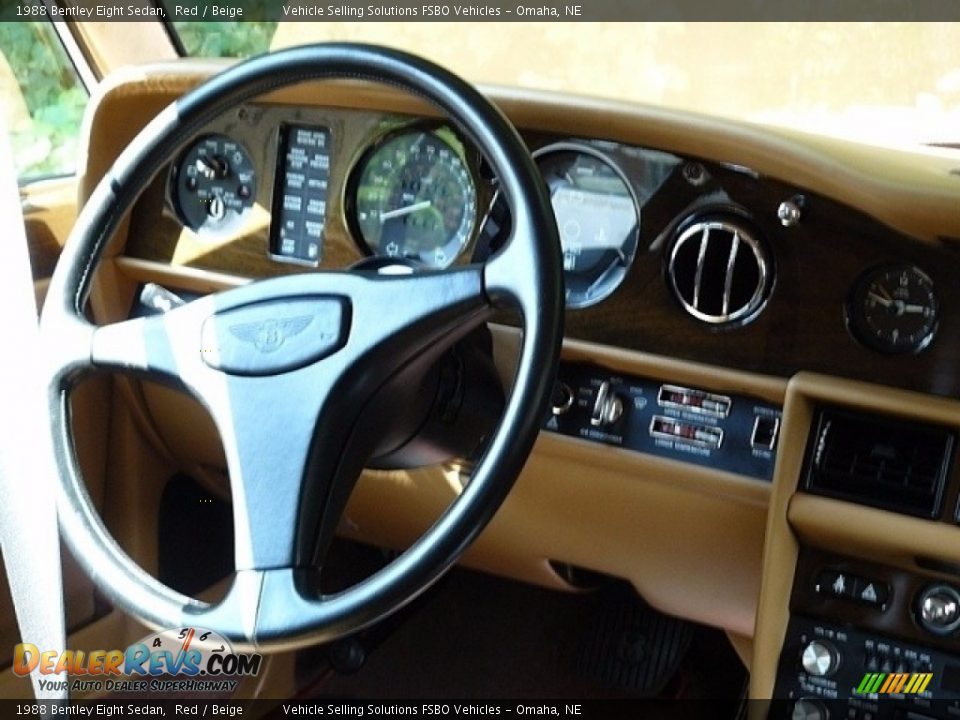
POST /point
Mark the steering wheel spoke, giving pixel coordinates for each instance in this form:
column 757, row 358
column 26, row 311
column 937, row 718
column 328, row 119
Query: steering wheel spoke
column 286, row 461
column 162, row 346
column 330, row 341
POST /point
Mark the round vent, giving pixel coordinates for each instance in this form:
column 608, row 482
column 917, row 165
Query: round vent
column 719, row 271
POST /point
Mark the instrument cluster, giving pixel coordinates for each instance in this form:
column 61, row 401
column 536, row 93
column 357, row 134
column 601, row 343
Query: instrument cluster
column 418, row 193
column 338, row 188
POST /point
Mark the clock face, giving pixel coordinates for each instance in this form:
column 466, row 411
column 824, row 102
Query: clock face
column 894, row 309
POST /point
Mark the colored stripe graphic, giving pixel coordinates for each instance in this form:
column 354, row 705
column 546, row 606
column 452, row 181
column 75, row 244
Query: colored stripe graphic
column 894, row 683
column 891, row 681
column 867, row 681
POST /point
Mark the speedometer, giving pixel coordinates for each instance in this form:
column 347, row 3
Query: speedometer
column 414, row 197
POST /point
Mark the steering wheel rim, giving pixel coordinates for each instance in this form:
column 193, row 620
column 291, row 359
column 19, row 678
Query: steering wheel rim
column 266, row 607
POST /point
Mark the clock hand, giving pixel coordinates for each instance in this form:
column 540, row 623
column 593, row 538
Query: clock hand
column 882, row 291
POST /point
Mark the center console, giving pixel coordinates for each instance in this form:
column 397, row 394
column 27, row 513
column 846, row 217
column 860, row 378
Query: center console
column 868, row 639
column 859, row 614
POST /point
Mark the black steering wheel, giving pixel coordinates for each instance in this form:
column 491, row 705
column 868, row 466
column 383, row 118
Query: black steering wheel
column 292, row 412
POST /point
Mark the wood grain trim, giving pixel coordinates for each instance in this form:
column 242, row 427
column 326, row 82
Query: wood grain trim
column 177, row 278
column 804, row 325
column 669, row 369
column 912, row 191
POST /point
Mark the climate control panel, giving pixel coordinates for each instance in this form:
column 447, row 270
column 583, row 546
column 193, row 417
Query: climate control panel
column 728, row 432
column 830, row 670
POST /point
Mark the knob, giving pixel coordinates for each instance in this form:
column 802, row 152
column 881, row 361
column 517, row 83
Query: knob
column 212, row 166
column 217, row 209
column 607, row 408
column 562, row 398
column 940, row 609
column 809, row 710
column 820, row 658
column 790, row 211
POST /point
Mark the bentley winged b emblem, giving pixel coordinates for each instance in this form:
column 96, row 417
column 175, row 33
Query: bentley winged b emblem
column 269, row 335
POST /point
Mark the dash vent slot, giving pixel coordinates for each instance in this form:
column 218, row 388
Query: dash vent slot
column 879, row 461
column 719, row 271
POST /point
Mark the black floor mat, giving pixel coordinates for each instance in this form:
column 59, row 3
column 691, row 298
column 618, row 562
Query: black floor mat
column 629, row 646
column 477, row 636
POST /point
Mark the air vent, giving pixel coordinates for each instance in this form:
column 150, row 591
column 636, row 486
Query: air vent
column 719, row 271
column 883, row 462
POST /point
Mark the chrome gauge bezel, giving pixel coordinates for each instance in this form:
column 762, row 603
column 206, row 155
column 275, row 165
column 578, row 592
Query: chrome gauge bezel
column 623, row 270
column 445, row 135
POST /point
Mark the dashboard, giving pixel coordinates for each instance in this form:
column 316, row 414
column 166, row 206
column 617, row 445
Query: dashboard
column 663, row 252
column 727, row 288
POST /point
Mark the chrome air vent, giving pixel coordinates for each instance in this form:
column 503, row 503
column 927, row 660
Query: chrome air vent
column 719, row 270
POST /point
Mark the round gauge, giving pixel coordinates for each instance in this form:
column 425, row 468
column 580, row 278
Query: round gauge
column 597, row 217
column 413, row 197
column 894, row 309
column 213, row 183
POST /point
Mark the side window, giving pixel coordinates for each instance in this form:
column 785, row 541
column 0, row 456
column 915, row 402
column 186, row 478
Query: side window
column 42, row 99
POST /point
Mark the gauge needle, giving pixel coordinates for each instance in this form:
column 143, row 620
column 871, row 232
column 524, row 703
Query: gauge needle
column 398, row 212
column 886, row 302
column 883, row 291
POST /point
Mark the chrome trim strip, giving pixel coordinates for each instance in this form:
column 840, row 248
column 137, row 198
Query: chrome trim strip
column 698, row 277
column 728, row 280
column 715, row 442
column 723, row 401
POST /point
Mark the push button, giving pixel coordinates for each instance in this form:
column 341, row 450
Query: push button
column 939, row 609
column 835, row 583
column 871, row 592
column 765, row 430
column 841, row 584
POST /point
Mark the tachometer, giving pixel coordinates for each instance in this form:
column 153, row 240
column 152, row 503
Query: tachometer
column 597, row 218
column 413, row 196
column 213, row 183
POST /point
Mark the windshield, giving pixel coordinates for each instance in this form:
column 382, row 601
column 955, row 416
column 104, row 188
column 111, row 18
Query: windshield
column 887, row 83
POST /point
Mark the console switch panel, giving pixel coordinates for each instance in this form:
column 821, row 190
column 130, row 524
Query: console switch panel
column 734, row 433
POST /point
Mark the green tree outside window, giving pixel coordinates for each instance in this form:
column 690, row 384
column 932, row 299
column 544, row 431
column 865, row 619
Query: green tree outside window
column 43, row 99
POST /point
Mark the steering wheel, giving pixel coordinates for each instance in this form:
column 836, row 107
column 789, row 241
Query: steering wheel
column 291, row 370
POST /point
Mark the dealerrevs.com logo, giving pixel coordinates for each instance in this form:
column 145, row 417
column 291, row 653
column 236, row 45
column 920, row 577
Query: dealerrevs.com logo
column 174, row 661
